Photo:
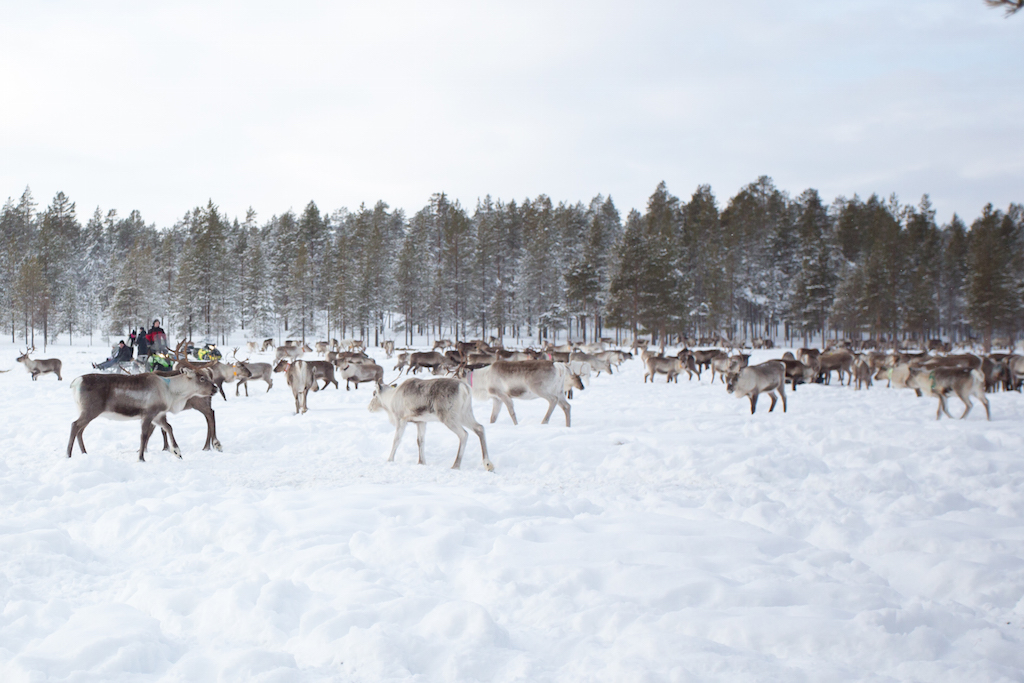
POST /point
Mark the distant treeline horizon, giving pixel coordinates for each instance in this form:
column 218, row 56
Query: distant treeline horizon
column 765, row 264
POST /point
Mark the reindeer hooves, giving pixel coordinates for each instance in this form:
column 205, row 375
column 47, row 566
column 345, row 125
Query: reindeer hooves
column 218, row 447
column 489, row 466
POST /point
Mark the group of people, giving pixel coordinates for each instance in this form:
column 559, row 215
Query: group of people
column 146, row 342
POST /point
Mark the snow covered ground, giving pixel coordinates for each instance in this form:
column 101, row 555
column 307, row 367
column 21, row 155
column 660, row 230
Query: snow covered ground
column 667, row 536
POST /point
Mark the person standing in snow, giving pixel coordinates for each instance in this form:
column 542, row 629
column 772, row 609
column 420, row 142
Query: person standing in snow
column 140, row 341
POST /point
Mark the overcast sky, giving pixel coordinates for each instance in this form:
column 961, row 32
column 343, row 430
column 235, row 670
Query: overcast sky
column 162, row 106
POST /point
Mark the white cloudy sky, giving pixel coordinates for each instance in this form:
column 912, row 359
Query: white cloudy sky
column 162, row 106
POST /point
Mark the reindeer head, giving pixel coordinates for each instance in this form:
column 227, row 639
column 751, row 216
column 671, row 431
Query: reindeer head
column 380, row 395
column 201, row 379
column 241, row 371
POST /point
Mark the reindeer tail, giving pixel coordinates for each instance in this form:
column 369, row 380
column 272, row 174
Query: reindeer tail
column 76, row 389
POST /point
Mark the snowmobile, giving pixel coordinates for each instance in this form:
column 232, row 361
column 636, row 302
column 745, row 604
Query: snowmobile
column 207, row 352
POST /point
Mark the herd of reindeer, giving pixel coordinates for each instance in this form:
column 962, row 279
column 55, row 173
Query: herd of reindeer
column 479, row 370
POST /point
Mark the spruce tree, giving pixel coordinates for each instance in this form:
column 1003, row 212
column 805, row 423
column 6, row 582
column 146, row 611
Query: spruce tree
column 625, row 292
column 922, row 265
column 953, row 278
column 814, row 289
column 884, row 281
column 706, row 256
column 665, row 293
column 994, row 299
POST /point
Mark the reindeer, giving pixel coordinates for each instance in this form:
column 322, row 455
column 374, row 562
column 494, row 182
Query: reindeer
column 764, row 378
column 597, row 363
column 669, row 367
column 216, row 371
column 943, row 381
column 727, row 365
column 247, row 371
column 504, row 380
column 840, row 361
column 797, row 372
column 429, row 359
column 689, row 364
column 446, row 400
column 322, row 370
column 862, row 372
column 403, row 361
column 703, row 357
column 40, row 367
column 361, row 372
column 288, row 352
column 148, row 397
column 268, row 345
column 300, row 380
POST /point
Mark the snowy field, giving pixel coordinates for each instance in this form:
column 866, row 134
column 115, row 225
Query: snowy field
column 668, row 535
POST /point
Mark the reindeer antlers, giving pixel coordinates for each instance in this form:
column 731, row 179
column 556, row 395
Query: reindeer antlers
column 182, row 357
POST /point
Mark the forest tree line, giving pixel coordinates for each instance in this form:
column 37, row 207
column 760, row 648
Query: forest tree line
column 764, row 265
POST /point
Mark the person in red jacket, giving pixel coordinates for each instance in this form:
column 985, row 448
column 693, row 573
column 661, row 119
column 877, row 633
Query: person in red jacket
column 157, row 338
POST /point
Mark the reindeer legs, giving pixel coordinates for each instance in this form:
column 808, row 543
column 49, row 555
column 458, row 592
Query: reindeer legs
column 508, row 404
column 463, row 438
column 421, row 438
column 147, row 431
column 161, row 420
column 399, row 430
column 77, row 427
column 943, row 408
